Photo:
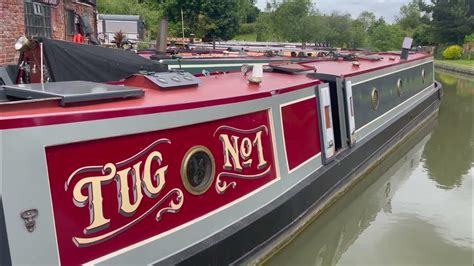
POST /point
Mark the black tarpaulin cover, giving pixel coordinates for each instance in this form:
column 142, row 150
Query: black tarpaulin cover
column 68, row 61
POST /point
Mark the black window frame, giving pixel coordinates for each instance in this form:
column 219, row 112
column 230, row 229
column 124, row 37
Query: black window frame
column 38, row 21
column 70, row 22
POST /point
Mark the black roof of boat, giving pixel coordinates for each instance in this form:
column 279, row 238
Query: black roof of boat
column 69, row 61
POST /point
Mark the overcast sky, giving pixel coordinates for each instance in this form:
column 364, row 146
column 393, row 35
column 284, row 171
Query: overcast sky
column 381, row 8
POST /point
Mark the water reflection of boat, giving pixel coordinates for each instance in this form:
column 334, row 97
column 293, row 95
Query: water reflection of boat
column 165, row 167
column 326, row 240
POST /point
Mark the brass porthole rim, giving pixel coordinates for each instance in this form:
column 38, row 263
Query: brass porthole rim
column 400, row 87
column 375, row 104
column 184, row 179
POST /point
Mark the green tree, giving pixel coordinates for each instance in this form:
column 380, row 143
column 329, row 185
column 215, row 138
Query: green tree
column 338, row 30
column 386, row 37
column 451, row 19
column 422, row 36
column 367, row 19
column 410, row 16
column 289, row 18
column 358, row 37
column 212, row 19
column 248, row 12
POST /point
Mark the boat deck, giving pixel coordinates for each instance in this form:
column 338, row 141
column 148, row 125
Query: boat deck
column 347, row 69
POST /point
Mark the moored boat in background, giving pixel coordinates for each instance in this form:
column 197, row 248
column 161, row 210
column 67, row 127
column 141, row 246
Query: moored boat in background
column 166, row 167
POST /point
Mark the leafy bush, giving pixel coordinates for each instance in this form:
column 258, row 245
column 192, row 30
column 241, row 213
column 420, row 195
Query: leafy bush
column 453, row 52
column 143, row 45
column 469, row 38
column 248, row 28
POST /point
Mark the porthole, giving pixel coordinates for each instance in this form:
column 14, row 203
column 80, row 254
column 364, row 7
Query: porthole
column 423, row 75
column 197, row 170
column 399, row 87
column 375, row 99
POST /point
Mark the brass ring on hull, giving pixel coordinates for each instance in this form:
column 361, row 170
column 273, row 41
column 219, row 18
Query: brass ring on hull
column 375, row 99
column 198, row 170
column 399, row 87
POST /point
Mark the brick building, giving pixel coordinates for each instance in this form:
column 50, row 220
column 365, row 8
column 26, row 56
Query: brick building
column 48, row 18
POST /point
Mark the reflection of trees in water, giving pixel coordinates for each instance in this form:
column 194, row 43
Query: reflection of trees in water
column 449, row 153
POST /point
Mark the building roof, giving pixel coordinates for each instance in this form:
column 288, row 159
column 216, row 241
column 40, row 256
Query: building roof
column 120, row 17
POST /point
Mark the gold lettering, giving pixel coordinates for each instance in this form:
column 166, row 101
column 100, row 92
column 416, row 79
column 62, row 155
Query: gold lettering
column 94, row 198
column 246, row 151
column 261, row 159
column 232, row 150
column 159, row 176
column 127, row 208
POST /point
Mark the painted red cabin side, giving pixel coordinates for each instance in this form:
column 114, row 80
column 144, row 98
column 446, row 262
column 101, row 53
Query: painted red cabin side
column 87, row 178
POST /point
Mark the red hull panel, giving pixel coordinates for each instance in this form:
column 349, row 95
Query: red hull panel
column 93, row 218
column 301, row 131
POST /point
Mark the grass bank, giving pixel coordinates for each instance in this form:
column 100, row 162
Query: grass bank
column 251, row 37
column 468, row 64
column 459, row 66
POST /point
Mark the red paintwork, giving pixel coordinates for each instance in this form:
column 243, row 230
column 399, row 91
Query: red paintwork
column 346, row 69
column 214, row 90
column 301, row 131
column 71, row 220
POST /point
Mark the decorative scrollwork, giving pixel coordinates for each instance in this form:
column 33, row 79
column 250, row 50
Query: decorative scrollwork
column 173, row 207
column 222, row 186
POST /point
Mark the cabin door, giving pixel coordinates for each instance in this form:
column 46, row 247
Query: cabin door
column 326, row 125
column 350, row 113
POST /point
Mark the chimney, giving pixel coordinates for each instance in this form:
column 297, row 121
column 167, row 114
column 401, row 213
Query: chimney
column 406, row 47
column 161, row 41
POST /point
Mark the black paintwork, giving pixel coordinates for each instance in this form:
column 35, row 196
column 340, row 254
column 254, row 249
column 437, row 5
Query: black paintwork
column 241, row 239
column 388, row 95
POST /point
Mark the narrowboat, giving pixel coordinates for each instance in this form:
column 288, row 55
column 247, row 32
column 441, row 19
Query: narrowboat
column 203, row 65
column 116, row 160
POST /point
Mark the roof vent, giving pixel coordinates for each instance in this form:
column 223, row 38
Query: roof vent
column 163, row 80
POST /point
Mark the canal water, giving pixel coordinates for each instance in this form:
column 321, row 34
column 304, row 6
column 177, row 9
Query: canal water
column 414, row 208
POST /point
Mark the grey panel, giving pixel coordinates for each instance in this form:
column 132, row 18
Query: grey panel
column 387, row 91
column 72, row 91
column 8, row 74
column 173, row 79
